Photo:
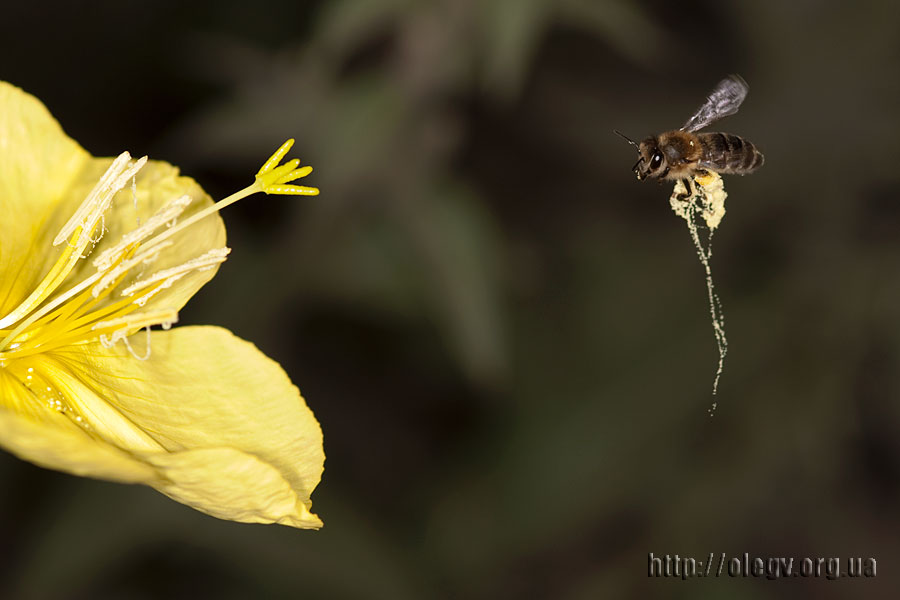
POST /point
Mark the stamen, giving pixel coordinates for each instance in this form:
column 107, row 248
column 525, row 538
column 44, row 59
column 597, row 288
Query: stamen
column 146, row 256
column 200, row 263
column 134, row 199
column 167, row 213
column 90, row 202
column 96, row 203
column 122, row 327
column 96, row 240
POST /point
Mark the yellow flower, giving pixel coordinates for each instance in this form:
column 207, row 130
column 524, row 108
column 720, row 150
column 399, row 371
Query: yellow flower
column 92, row 251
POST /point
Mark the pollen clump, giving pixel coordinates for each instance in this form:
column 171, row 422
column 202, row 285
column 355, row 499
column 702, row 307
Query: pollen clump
column 708, row 203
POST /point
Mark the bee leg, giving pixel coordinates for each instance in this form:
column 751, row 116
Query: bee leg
column 690, row 191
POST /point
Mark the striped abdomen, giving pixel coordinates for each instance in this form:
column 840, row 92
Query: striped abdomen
column 729, row 154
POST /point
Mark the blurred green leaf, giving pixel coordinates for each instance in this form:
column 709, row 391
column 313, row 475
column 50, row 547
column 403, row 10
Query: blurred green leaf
column 621, row 23
column 510, row 31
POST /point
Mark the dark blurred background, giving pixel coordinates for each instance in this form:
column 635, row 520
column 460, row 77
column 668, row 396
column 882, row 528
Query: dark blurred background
column 506, row 337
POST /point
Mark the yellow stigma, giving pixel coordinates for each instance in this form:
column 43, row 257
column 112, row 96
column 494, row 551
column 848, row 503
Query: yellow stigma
column 94, row 308
column 271, row 179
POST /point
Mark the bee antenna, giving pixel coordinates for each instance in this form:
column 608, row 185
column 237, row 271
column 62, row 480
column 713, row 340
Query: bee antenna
column 628, row 139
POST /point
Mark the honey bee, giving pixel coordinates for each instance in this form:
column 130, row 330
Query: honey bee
column 683, row 154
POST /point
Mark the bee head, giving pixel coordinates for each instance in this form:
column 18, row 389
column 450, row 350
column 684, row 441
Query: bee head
column 651, row 161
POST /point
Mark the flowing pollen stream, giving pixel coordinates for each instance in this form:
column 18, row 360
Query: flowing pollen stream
column 708, row 204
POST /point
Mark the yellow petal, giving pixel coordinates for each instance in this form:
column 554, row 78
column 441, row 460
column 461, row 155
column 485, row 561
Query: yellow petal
column 38, row 164
column 222, row 425
column 231, row 484
column 54, row 442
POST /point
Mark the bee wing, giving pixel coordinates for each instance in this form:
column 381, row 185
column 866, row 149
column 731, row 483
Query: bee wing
column 724, row 100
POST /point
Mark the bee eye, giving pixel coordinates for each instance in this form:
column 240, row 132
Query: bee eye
column 655, row 160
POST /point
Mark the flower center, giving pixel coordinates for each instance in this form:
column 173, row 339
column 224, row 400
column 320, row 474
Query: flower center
column 95, row 308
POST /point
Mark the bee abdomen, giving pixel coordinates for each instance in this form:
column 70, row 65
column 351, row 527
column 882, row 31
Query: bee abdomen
column 728, row 153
